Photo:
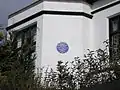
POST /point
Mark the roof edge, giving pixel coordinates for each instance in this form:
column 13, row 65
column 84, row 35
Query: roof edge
column 40, row 1
column 25, row 8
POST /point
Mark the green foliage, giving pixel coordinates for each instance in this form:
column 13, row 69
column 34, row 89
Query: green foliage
column 17, row 70
column 96, row 68
column 1, row 36
column 62, row 74
column 16, row 66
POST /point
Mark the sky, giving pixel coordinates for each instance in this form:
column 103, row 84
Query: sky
column 9, row 6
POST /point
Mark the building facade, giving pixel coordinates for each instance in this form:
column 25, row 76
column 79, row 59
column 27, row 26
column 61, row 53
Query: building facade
column 63, row 29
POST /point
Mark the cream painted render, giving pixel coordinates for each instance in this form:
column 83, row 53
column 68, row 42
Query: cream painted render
column 79, row 32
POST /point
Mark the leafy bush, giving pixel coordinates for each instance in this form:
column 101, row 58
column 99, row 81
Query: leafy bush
column 17, row 70
column 96, row 68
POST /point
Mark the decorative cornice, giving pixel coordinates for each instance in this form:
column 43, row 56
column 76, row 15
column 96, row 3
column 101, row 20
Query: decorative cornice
column 52, row 13
column 25, row 8
column 40, row 1
column 105, row 7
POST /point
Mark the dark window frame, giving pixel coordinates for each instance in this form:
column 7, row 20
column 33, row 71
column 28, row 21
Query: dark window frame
column 113, row 34
column 24, row 32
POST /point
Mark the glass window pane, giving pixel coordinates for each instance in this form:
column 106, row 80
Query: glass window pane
column 115, row 24
column 27, row 36
column 114, row 37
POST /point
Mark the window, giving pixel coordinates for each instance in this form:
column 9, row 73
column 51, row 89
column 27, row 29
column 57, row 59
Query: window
column 114, row 36
column 27, row 36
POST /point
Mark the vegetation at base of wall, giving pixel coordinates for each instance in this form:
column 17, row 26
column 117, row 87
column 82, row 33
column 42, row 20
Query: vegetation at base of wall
column 95, row 69
column 17, row 70
column 16, row 66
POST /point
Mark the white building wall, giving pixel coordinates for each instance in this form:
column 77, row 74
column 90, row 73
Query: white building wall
column 79, row 32
column 67, row 6
column 25, row 14
column 49, row 5
column 62, row 28
column 101, row 25
column 87, row 34
column 53, row 29
column 100, row 3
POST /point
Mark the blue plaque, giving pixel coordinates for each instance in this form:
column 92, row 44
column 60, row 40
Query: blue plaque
column 62, row 47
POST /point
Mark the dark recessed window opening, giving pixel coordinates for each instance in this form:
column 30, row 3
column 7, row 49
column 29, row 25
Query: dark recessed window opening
column 114, row 27
column 27, row 37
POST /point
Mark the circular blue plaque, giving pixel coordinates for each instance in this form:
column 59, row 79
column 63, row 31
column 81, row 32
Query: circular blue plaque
column 62, row 47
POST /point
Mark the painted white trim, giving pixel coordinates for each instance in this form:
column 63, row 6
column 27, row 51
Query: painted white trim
column 105, row 5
